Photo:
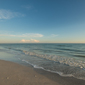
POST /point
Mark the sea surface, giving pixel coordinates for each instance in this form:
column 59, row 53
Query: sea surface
column 64, row 59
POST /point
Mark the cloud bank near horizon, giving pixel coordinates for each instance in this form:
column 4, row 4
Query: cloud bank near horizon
column 24, row 35
column 30, row 41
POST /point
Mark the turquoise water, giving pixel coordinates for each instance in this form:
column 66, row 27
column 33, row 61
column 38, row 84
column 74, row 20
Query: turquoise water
column 64, row 59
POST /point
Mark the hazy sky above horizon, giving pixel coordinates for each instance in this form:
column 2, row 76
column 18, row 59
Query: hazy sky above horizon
column 42, row 21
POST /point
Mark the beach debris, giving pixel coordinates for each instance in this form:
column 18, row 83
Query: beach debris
column 35, row 76
column 7, row 77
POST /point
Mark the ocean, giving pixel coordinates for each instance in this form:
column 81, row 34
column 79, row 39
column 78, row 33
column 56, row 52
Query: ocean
column 63, row 59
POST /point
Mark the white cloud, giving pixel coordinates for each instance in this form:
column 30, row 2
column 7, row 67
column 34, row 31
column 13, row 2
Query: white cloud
column 33, row 40
column 23, row 40
column 31, row 35
column 54, row 35
column 24, row 35
column 30, row 41
column 7, row 14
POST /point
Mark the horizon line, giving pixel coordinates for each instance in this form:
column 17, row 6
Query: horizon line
column 42, row 43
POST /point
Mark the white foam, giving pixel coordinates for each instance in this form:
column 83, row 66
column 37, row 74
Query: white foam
column 64, row 60
column 60, row 73
column 36, row 66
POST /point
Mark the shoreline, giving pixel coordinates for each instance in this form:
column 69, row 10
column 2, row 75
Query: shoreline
column 16, row 74
column 61, row 79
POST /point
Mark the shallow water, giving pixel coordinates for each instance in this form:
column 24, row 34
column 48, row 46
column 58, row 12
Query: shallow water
column 64, row 59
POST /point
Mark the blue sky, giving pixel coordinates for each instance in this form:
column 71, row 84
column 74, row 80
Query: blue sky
column 42, row 21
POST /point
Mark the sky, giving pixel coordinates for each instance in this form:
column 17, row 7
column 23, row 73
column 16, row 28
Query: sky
column 42, row 21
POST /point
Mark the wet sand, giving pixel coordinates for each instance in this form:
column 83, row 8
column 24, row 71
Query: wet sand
column 60, row 79
column 16, row 74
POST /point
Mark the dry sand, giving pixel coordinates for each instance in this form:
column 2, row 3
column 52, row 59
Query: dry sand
column 15, row 74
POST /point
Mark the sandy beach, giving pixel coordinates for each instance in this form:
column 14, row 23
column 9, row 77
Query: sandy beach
column 15, row 74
